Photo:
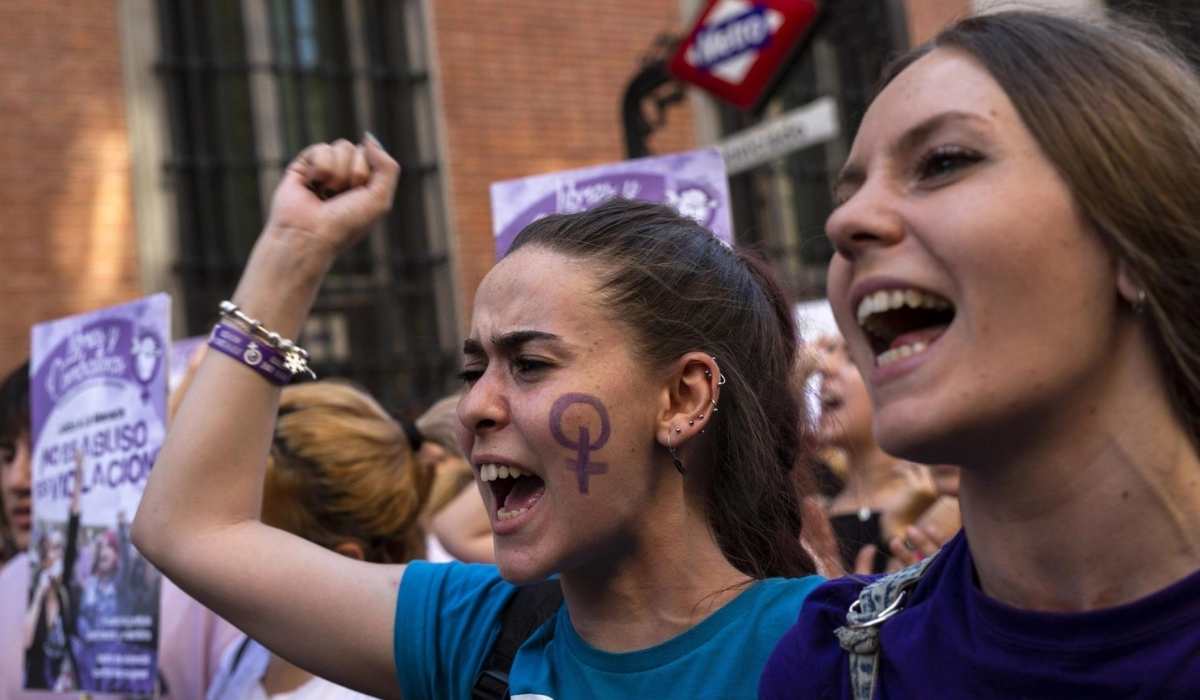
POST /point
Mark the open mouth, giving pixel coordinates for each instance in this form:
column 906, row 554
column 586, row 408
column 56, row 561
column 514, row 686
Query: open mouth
column 901, row 323
column 514, row 490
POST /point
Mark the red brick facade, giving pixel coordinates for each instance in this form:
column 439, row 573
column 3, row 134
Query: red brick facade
column 530, row 86
column 526, row 86
column 67, row 238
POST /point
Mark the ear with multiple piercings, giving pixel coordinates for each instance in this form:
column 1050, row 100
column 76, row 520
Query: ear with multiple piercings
column 692, row 421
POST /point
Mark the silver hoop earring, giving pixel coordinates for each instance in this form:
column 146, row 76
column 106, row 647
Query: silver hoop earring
column 675, row 455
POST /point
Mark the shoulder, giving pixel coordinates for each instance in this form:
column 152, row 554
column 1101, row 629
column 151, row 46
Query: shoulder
column 809, row 657
column 782, row 596
column 808, row 660
column 447, row 618
column 452, row 583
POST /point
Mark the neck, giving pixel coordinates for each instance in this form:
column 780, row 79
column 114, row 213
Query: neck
column 1098, row 506
column 671, row 578
column 870, row 476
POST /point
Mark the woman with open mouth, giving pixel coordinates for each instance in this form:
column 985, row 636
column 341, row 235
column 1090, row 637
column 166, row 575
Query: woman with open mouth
column 630, row 418
column 1017, row 253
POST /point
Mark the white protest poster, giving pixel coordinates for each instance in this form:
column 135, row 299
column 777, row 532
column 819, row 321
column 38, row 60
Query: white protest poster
column 98, row 391
column 694, row 183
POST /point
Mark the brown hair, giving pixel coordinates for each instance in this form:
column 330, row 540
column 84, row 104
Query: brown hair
column 340, row 470
column 1114, row 108
column 680, row 289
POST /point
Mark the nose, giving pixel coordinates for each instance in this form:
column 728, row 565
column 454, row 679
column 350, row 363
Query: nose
column 870, row 218
column 21, row 473
column 484, row 407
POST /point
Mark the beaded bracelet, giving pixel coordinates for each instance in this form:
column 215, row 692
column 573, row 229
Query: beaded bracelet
column 295, row 358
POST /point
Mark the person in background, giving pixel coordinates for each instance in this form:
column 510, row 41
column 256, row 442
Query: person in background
column 191, row 638
column 882, row 496
column 16, row 498
column 1017, row 245
column 458, row 525
column 630, row 418
column 341, row 474
column 50, row 627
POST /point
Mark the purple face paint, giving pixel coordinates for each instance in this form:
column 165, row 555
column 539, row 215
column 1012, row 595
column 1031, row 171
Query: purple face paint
column 582, row 464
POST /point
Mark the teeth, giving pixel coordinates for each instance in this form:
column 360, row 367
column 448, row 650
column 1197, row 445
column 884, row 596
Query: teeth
column 887, row 300
column 504, row 514
column 899, row 353
column 491, row 472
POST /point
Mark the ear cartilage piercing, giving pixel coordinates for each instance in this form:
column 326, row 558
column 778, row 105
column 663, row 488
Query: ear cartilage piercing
column 677, row 429
column 691, row 422
column 721, row 378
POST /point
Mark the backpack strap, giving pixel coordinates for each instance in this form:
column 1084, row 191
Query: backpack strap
column 878, row 601
column 525, row 612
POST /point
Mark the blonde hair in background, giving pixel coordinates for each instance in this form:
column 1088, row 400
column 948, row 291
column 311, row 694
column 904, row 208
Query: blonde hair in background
column 341, row 471
column 440, row 425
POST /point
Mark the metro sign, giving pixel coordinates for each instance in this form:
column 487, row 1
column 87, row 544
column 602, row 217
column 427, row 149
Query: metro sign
column 738, row 46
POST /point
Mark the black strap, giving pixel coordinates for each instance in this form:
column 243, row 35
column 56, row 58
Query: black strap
column 526, row 611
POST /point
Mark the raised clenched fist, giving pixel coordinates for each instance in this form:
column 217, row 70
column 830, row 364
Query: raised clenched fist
column 331, row 193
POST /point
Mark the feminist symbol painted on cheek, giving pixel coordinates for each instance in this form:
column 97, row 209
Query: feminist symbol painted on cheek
column 582, row 465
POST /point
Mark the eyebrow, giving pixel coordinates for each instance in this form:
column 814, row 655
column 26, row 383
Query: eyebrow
column 509, row 343
column 853, row 175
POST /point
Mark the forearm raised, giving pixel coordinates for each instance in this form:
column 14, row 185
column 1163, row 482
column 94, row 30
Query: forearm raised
column 209, row 472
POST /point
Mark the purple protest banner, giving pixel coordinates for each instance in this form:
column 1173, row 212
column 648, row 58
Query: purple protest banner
column 694, row 183
column 98, row 390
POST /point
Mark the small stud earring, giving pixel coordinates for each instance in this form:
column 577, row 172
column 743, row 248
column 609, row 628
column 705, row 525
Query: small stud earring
column 1139, row 304
column 691, row 422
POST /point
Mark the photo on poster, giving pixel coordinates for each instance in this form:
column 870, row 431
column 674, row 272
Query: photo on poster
column 694, row 183
column 98, row 394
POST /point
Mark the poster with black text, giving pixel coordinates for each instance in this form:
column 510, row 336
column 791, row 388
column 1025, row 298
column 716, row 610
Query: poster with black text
column 98, row 389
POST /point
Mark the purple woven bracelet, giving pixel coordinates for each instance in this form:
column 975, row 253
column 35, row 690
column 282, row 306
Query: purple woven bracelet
column 255, row 354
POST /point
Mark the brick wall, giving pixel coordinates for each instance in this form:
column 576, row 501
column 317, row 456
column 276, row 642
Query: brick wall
column 530, row 86
column 67, row 242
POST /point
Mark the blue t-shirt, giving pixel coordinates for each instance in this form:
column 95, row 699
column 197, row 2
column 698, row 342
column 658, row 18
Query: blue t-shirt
column 447, row 618
column 952, row 641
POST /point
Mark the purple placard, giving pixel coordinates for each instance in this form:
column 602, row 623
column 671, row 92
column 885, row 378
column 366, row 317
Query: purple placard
column 98, row 390
column 694, row 183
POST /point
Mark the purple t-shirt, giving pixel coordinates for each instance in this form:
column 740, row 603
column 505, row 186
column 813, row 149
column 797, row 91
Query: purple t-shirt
column 952, row 641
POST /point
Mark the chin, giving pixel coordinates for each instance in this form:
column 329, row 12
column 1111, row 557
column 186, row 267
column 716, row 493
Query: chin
column 519, row 566
column 917, row 438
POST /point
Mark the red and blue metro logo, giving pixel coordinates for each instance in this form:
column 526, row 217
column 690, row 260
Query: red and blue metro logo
column 738, row 46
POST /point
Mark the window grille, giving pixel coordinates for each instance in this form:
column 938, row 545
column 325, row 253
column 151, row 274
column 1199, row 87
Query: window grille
column 249, row 83
column 780, row 207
